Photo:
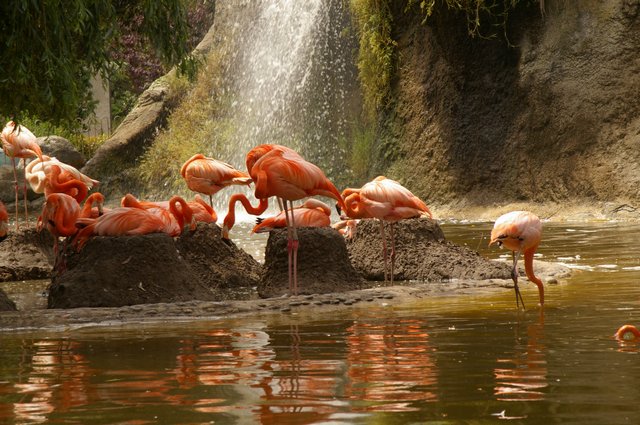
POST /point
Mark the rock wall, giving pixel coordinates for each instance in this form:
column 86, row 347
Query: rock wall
column 552, row 117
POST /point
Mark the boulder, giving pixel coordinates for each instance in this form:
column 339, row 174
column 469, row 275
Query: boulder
column 323, row 264
column 422, row 253
column 26, row 255
column 5, row 303
column 61, row 148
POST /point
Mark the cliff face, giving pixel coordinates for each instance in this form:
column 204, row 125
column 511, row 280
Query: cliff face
column 553, row 117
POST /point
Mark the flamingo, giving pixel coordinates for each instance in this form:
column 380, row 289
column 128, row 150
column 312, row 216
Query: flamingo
column 19, row 142
column 386, row 200
column 520, row 231
column 4, row 222
column 208, row 175
column 312, row 213
column 36, row 172
column 202, row 212
column 281, row 172
column 346, row 228
column 88, row 210
column 129, row 221
column 59, row 180
column 628, row 333
column 59, row 214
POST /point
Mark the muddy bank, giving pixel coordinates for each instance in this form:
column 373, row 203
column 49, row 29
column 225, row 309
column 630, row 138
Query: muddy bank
column 165, row 313
column 25, row 255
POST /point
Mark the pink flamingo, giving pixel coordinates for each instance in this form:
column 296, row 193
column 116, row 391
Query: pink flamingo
column 521, row 232
column 386, row 200
column 628, row 333
column 19, row 142
column 312, row 213
column 59, row 180
column 281, row 172
column 202, row 212
column 88, row 209
column 208, row 175
column 59, row 214
column 4, row 222
column 36, row 173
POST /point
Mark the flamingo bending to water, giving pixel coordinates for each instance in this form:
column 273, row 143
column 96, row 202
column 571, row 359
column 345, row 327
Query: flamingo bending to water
column 208, row 175
column 386, row 200
column 19, row 142
column 281, row 172
column 521, row 232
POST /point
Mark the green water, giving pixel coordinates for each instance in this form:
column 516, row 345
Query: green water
column 448, row 360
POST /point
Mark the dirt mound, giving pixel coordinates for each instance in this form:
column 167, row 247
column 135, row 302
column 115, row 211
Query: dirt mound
column 26, row 255
column 422, row 253
column 323, row 264
column 155, row 268
column 5, row 303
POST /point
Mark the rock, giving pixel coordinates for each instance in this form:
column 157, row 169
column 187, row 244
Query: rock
column 323, row 264
column 220, row 265
column 422, row 253
column 5, row 303
column 26, row 255
column 61, row 148
column 154, row 268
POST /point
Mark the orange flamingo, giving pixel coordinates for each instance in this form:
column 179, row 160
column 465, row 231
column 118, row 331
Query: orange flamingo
column 312, row 213
column 59, row 214
column 202, row 212
column 59, row 180
column 208, row 175
column 386, row 200
column 36, row 172
column 128, row 221
column 88, row 210
column 346, row 228
column 19, row 142
column 521, row 232
column 628, row 333
column 281, row 172
column 4, row 222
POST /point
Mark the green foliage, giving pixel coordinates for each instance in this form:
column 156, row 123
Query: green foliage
column 52, row 48
column 376, row 56
column 195, row 126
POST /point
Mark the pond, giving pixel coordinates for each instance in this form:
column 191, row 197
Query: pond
column 453, row 359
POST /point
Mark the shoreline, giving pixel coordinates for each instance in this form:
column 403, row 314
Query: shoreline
column 65, row 320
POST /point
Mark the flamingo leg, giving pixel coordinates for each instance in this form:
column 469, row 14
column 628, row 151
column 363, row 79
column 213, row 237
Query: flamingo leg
column 393, row 251
column 384, row 249
column 15, row 186
column 289, row 244
column 295, row 252
column 24, row 192
column 514, row 276
column 211, row 200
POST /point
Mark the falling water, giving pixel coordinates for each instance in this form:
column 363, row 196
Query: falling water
column 289, row 78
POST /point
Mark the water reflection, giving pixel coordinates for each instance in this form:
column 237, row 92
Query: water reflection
column 522, row 376
column 391, row 364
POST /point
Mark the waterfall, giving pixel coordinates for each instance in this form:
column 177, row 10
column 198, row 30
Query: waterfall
column 288, row 78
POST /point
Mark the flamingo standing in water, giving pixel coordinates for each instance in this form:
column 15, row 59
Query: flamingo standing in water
column 208, row 175
column 312, row 213
column 386, row 200
column 4, row 222
column 281, row 172
column 521, row 232
column 19, row 142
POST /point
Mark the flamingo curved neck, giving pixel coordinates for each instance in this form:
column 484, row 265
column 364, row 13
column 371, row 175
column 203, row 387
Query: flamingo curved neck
column 230, row 219
column 528, row 268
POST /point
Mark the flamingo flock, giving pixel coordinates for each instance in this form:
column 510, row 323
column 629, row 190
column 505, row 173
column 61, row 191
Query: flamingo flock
column 276, row 171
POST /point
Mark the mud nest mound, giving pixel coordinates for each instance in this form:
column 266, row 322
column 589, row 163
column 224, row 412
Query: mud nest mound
column 155, row 268
column 323, row 264
column 26, row 255
column 422, row 253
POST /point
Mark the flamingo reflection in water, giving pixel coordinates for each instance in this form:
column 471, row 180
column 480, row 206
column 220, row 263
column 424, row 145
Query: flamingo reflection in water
column 523, row 377
column 386, row 363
